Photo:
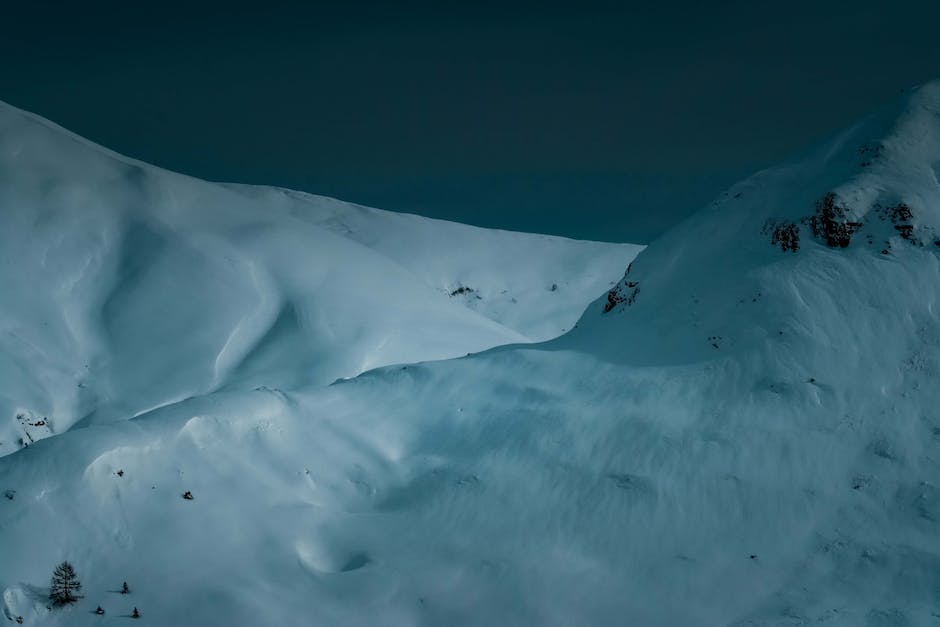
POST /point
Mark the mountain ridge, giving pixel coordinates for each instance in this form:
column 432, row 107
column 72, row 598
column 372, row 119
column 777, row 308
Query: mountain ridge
column 107, row 259
column 764, row 456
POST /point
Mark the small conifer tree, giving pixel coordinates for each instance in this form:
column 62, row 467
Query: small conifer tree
column 65, row 585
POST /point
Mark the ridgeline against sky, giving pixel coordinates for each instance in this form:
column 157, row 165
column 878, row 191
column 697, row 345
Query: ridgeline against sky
column 607, row 121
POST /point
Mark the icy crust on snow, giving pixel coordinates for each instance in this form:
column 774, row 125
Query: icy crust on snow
column 127, row 287
column 765, row 456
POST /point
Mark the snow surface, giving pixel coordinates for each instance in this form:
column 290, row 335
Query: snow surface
column 738, row 433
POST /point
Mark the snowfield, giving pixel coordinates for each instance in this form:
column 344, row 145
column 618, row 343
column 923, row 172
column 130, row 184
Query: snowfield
column 744, row 430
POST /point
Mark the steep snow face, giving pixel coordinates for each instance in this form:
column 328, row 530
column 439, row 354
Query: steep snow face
column 127, row 287
column 749, row 438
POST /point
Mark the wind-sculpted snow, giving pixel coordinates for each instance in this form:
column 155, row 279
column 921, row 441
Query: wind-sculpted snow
column 127, row 287
column 751, row 438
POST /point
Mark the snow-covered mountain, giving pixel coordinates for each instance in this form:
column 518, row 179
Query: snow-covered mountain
column 127, row 287
column 742, row 431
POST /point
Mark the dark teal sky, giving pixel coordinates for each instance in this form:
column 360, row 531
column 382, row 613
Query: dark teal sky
column 605, row 120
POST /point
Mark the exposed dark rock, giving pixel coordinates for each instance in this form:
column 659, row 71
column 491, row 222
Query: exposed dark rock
column 869, row 153
column 785, row 234
column 624, row 293
column 830, row 222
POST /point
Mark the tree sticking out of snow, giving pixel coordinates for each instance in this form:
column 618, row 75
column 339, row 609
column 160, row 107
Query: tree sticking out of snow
column 64, row 585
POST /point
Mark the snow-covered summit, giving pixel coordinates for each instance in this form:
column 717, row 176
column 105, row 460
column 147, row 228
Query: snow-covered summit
column 866, row 203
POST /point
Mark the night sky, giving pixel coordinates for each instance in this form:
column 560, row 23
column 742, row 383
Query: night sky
column 607, row 121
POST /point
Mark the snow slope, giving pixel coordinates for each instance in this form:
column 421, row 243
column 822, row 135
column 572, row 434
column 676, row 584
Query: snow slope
column 127, row 287
column 540, row 285
column 744, row 431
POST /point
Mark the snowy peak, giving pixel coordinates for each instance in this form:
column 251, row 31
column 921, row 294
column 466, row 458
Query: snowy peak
column 848, row 213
